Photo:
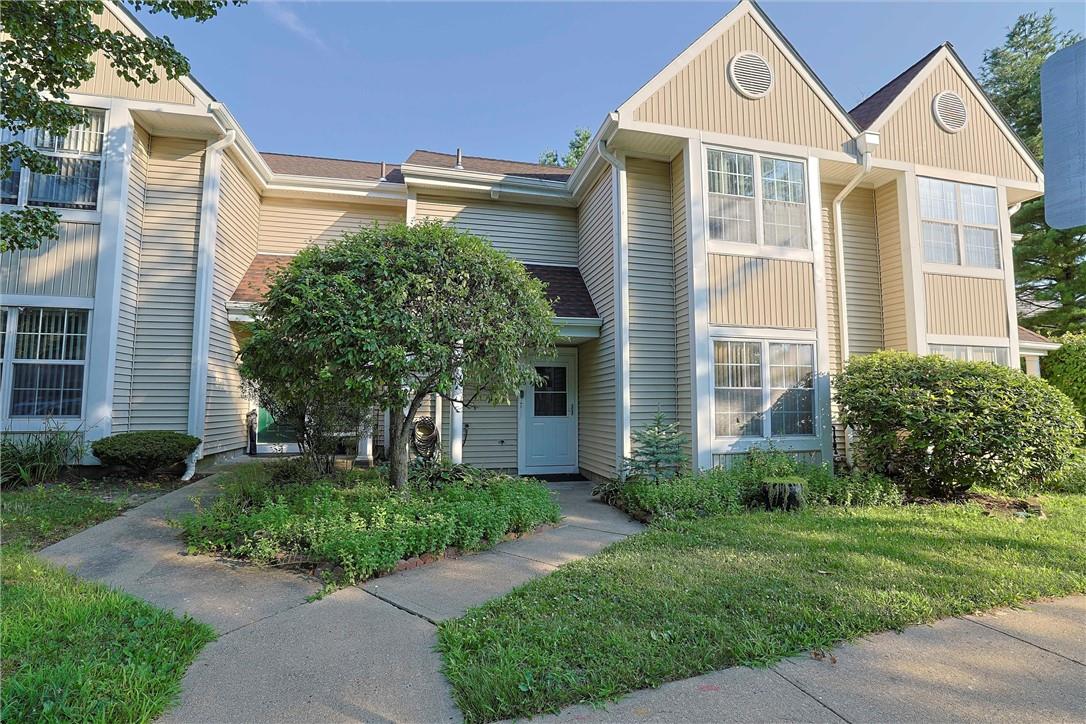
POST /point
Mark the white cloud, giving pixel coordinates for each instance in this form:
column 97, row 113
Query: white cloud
column 287, row 18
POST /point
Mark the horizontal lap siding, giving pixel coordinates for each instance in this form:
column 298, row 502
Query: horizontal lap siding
column 700, row 96
column 596, row 358
column 167, row 285
column 652, row 292
column 863, row 288
column 130, row 270
column 754, row 292
column 236, row 244
column 288, row 226
column 891, row 272
column 528, row 232
column 829, row 243
column 490, row 434
column 681, row 272
column 965, row 306
column 62, row 267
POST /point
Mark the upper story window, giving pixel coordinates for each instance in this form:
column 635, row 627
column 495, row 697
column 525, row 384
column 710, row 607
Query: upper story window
column 78, row 157
column 755, row 199
column 959, row 223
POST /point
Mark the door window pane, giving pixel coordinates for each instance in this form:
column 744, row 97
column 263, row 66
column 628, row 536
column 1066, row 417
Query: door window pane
column 550, row 395
column 791, row 387
column 738, row 389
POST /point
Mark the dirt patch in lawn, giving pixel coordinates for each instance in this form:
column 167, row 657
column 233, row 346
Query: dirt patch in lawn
column 117, row 485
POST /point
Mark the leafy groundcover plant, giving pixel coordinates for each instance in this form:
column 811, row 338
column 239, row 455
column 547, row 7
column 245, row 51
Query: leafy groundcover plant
column 353, row 525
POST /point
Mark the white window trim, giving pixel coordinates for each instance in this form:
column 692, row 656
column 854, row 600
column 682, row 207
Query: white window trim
column 30, row 423
column 74, row 215
column 970, row 347
column 961, row 268
column 758, row 247
column 735, row 443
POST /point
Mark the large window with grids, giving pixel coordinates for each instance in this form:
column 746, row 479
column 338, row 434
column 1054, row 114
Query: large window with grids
column 971, row 353
column 959, row 224
column 763, row 389
column 78, row 159
column 44, row 362
column 755, row 199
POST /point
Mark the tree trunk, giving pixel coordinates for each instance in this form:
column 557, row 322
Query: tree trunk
column 397, row 450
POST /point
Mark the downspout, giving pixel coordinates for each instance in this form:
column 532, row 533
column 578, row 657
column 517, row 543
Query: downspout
column 622, row 306
column 865, row 143
column 205, row 277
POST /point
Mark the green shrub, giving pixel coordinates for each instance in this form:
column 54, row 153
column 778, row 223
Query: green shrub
column 691, row 495
column 144, row 452
column 1066, row 368
column 941, row 426
column 856, row 488
column 1071, row 478
column 39, row 457
column 358, row 526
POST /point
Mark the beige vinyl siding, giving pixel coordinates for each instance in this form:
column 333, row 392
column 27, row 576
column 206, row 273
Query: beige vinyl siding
column 528, row 232
column 130, row 270
column 912, row 135
column 106, row 82
column 235, row 247
column 863, row 289
column 965, row 306
column 490, row 435
column 62, row 267
column 833, row 317
column 700, row 96
column 681, row 257
column 289, row 225
column 596, row 358
column 746, row 291
column 652, row 292
column 167, row 285
column 891, row 272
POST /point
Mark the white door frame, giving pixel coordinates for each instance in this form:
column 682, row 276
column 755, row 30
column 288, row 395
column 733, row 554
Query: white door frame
column 568, row 355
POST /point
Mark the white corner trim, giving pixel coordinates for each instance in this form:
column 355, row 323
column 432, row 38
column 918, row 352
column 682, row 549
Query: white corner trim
column 912, row 253
column 823, row 388
column 701, row 403
column 1007, row 260
column 205, row 282
column 622, row 305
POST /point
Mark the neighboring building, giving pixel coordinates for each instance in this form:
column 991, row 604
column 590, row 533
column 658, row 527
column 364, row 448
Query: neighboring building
column 732, row 236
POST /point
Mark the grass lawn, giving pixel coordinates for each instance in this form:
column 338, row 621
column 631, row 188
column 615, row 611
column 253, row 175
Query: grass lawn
column 73, row 650
column 689, row 597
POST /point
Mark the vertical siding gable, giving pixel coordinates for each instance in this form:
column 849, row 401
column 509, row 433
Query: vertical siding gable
column 65, row 267
column 528, row 232
column 911, row 134
column 106, row 82
column 965, row 306
column 748, row 291
column 700, row 96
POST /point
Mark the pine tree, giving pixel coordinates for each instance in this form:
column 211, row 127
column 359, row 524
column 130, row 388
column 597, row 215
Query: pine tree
column 659, row 451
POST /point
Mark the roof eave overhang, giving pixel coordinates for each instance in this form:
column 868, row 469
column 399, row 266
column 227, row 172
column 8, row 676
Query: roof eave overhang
column 496, row 186
column 287, row 185
column 1037, row 348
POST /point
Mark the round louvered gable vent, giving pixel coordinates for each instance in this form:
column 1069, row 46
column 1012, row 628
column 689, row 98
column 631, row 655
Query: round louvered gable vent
column 751, row 75
column 950, row 111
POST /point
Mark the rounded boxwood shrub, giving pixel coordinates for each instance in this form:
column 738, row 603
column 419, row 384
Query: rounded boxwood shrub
column 941, row 426
column 1066, row 368
column 144, row 452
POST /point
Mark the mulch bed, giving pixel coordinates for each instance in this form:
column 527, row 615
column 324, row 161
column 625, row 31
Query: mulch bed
column 113, row 484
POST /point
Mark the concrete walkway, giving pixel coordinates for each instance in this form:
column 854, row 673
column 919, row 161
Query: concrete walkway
column 1006, row 666
column 364, row 653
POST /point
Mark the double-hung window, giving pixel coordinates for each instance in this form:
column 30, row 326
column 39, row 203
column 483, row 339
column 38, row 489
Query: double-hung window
column 971, row 353
column 78, row 160
column 44, row 361
column 763, row 389
column 959, row 224
column 755, row 199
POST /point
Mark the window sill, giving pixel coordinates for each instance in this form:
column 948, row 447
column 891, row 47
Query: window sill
column 958, row 270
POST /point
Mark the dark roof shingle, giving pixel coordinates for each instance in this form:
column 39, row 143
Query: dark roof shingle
column 1028, row 335
column 331, row 167
column 872, row 107
column 490, row 165
column 565, row 288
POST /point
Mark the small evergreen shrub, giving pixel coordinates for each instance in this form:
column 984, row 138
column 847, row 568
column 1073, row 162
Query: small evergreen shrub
column 39, row 457
column 1065, row 368
column 941, row 426
column 144, row 452
column 659, row 451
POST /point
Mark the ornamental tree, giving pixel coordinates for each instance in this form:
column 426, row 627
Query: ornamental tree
column 390, row 315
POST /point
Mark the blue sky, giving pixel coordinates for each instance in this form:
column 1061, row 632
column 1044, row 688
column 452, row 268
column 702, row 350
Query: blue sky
column 374, row 81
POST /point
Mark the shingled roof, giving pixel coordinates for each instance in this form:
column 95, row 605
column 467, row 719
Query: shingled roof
column 331, row 167
column 490, row 165
column 566, row 289
column 872, row 107
column 1028, row 335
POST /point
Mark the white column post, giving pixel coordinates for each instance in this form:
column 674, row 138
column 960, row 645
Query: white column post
column 364, row 457
column 456, row 420
column 1033, row 365
column 701, row 349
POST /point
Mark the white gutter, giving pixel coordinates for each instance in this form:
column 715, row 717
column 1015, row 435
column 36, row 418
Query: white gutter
column 205, row 277
column 865, row 143
column 622, row 304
